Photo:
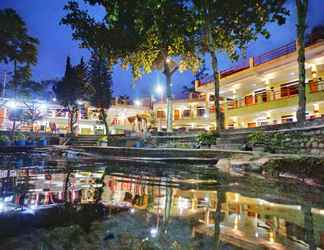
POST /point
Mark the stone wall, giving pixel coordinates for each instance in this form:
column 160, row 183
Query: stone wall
column 296, row 140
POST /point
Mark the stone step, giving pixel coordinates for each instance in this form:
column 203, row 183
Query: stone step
column 234, row 146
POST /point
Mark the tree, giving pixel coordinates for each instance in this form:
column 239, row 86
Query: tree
column 317, row 33
column 72, row 89
column 100, row 77
column 229, row 26
column 302, row 6
column 159, row 36
column 16, row 47
column 201, row 74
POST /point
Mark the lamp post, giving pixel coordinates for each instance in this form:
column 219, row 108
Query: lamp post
column 159, row 90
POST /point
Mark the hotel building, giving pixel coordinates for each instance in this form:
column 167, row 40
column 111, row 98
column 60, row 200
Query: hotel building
column 122, row 116
column 258, row 91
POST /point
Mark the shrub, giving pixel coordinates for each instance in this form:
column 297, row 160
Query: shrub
column 4, row 139
column 207, row 138
column 19, row 137
column 258, row 137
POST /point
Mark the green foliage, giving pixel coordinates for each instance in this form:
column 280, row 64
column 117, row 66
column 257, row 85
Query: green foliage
column 19, row 137
column 17, row 47
column 104, row 139
column 4, row 139
column 207, row 138
column 258, row 137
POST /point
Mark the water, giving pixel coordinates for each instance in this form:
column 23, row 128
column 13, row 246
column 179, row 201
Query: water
column 71, row 202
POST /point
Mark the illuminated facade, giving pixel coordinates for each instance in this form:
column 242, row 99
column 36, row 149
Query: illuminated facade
column 257, row 91
column 55, row 118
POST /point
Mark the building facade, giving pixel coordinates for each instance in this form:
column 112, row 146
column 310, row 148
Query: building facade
column 51, row 117
column 258, row 91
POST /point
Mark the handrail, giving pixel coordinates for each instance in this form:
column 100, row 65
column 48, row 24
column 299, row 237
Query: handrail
column 275, row 53
column 257, row 60
column 270, row 95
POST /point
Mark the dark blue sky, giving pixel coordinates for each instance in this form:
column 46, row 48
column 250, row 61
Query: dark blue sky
column 43, row 17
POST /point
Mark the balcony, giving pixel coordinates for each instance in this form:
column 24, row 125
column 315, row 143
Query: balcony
column 274, row 99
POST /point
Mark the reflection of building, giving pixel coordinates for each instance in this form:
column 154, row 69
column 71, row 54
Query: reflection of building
column 246, row 222
column 121, row 117
column 256, row 92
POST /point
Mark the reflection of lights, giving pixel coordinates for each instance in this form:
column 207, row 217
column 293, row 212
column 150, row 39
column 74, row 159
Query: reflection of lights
column 206, row 115
column 132, row 210
column 2, row 206
column 237, row 197
column 154, row 231
column 43, row 107
column 256, row 234
column 206, row 199
column 79, row 102
column 54, row 99
column 271, row 237
column 11, row 104
column 236, row 221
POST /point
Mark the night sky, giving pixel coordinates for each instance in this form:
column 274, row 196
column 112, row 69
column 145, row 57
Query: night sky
column 43, row 17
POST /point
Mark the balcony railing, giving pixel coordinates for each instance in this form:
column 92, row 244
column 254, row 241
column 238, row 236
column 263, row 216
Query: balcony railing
column 290, row 90
column 257, row 60
column 275, row 53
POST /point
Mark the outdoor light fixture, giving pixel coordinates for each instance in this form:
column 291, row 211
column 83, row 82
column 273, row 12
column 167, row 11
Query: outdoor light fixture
column 137, row 103
column 159, row 89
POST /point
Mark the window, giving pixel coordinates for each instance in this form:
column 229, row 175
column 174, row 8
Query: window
column 160, row 114
column 260, row 95
column 287, row 118
column 176, row 114
column 201, row 111
column 289, row 89
column 186, row 113
column 248, row 100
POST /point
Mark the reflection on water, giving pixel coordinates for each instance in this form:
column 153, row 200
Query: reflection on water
column 169, row 208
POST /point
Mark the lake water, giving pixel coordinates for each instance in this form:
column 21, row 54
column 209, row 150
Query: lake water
column 67, row 201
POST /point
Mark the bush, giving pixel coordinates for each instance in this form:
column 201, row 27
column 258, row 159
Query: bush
column 207, row 138
column 19, row 137
column 104, row 139
column 258, row 137
column 4, row 139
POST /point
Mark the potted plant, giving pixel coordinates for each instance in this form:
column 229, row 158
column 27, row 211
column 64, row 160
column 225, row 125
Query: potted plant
column 4, row 140
column 20, row 139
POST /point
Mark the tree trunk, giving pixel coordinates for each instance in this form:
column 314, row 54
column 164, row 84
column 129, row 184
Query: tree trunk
column 73, row 117
column 302, row 6
column 218, row 115
column 168, row 75
column 103, row 117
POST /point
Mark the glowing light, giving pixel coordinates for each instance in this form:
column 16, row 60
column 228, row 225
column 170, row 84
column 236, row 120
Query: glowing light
column 159, row 89
column 206, row 115
column 168, row 60
column 256, row 234
column 2, row 206
column 271, row 237
column 154, row 232
column 137, row 103
column 54, row 99
column 132, row 210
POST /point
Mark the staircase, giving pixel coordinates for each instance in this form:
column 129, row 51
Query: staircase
column 231, row 140
column 84, row 140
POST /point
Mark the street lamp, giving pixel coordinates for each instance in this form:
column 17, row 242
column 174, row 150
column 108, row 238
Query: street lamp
column 138, row 103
